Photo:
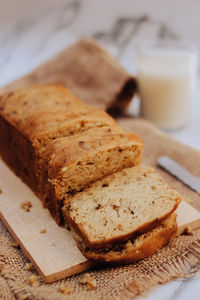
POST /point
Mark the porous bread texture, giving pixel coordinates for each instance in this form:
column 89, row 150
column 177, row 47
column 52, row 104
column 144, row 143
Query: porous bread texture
column 133, row 250
column 37, row 118
column 75, row 162
column 120, row 206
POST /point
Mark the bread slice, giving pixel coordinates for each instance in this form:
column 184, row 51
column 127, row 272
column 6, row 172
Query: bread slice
column 73, row 163
column 120, row 206
column 135, row 249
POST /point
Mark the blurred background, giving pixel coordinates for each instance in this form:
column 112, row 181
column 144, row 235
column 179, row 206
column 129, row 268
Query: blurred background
column 32, row 31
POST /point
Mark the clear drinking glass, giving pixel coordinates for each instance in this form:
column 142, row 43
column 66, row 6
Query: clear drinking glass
column 166, row 77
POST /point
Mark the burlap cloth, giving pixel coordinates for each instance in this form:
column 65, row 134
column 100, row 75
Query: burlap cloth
column 178, row 259
column 90, row 72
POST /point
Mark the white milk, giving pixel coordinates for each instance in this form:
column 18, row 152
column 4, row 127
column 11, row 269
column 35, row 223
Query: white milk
column 166, row 79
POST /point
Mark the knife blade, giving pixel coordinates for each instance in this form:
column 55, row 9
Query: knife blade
column 180, row 172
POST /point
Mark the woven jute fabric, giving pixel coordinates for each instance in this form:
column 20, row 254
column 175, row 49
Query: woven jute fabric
column 178, row 259
column 181, row 258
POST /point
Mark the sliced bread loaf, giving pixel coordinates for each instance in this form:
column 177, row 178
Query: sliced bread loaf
column 120, row 206
column 73, row 163
column 57, row 144
column 135, row 249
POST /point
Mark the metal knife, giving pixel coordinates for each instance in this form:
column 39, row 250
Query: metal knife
column 179, row 172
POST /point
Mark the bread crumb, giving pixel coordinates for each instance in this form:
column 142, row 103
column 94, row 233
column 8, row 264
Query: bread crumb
column 53, row 244
column 33, row 280
column 29, row 266
column 89, row 280
column 26, row 206
column 188, row 231
column 43, row 230
column 15, row 245
column 65, row 289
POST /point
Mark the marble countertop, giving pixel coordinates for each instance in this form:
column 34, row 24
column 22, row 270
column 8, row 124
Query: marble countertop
column 31, row 32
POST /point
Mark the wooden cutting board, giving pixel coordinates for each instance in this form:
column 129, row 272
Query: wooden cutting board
column 53, row 253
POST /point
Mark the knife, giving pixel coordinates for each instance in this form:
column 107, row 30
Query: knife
column 179, row 172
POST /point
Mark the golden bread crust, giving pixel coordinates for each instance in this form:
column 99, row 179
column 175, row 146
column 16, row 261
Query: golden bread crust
column 143, row 246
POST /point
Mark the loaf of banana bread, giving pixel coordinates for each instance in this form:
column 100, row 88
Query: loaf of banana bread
column 59, row 145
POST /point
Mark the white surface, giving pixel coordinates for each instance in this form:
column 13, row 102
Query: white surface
column 32, row 31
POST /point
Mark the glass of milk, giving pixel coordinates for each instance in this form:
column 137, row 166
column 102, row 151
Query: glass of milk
column 166, row 77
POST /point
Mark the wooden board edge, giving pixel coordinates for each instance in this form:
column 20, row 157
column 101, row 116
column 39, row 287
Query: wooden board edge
column 81, row 267
column 25, row 251
column 48, row 278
